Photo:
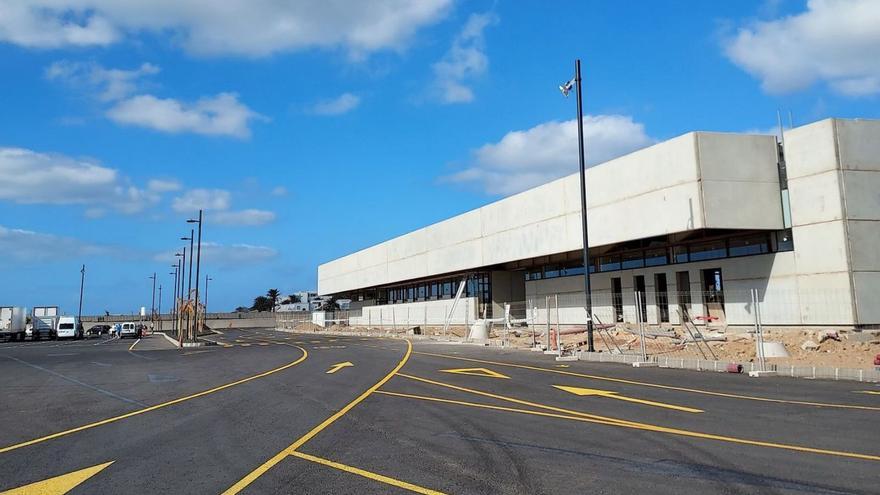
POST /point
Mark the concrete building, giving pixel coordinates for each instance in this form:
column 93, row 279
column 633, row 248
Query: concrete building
column 693, row 223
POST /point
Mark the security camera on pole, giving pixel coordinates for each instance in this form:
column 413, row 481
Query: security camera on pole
column 566, row 89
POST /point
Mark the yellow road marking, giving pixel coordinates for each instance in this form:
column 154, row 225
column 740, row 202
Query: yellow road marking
column 190, row 353
column 649, row 427
column 656, row 385
column 614, row 395
column 367, row 474
column 260, row 470
column 338, row 366
column 477, row 372
column 872, row 392
column 135, row 343
column 563, row 366
column 265, row 343
column 155, row 407
column 58, row 485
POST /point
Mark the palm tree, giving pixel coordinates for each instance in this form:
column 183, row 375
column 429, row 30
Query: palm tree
column 262, row 303
column 273, row 295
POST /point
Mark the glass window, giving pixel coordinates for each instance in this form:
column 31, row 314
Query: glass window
column 447, row 289
column 608, row 263
column 534, row 274
column 632, row 259
column 680, row 254
column 753, row 244
column 573, row 270
column 410, row 294
column 656, row 257
column 551, row 271
column 708, row 250
column 784, row 242
column 422, row 292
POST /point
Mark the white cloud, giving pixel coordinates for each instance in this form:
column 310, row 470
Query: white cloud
column 218, row 202
column 227, row 255
column 163, row 185
column 109, row 84
column 237, row 27
column 30, row 177
column 202, row 199
column 835, row 41
column 464, row 61
column 343, row 103
column 524, row 159
column 220, row 115
column 27, row 246
column 249, row 217
column 279, row 191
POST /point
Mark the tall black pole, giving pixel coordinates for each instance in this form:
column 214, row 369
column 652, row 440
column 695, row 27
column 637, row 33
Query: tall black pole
column 82, row 282
column 190, row 275
column 198, row 262
column 207, row 279
column 182, row 281
column 160, row 307
column 174, row 301
column 587, row 291
column 153, row 303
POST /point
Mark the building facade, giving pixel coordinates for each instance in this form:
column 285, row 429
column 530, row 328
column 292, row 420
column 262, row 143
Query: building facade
column 686, row 228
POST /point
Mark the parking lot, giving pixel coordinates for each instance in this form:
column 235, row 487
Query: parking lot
column 272, row 412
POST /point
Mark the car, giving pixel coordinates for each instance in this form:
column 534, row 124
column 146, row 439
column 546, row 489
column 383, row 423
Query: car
column 69, row 327
column 129, row 329
column 99, row 329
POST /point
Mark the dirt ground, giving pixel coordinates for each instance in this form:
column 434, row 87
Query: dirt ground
column 736, row 346
column 741, row 348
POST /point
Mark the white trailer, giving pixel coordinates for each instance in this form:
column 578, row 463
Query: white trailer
column 12, row 322
column 44, row 320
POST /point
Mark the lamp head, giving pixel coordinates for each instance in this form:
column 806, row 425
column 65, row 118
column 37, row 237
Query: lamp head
column 566, row 88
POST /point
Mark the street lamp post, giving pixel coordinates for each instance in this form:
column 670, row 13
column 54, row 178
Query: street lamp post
column 181, row 264
column 189, row 275
column 82, row 283
column 207, row 279
column 160, row 307
column 153, row 303
column 198, row 262
column 566, row 88
column 174, row 298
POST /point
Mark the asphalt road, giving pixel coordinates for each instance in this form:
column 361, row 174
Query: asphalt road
column 261, row 413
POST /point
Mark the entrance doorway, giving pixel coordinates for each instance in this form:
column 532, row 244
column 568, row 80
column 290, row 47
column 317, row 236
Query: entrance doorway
column 661, row 297
column 639, row 285
column 713, row 293
column 617, row 299
column 683, row 283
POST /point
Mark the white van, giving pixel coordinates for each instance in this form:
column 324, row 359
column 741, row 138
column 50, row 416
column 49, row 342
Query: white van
column 129, row 329
column 69, row 327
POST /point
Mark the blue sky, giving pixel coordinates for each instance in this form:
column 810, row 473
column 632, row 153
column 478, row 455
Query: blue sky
column 309, row 130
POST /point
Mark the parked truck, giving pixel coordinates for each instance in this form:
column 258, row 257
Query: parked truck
column 44, row 320
column 12, row 322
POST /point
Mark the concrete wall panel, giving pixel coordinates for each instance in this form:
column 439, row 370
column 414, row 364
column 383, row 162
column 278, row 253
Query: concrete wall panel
column 859, row 144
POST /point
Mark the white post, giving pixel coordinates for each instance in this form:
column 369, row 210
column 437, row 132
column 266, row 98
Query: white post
column 558, row 327
column 547, row 323
column 381, row 320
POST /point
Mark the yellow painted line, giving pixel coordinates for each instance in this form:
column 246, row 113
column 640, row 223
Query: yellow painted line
column 58, row 485
column 135, row 343
column 872, row 392
column 656, row 385
column 260, row 470
column 367, row 474
column 245, row 345
column 484, row 372
column 586, row 392
column 155, row 407
column 266, row 343
column 654, row 428
column 190, row 353
column 338, row 366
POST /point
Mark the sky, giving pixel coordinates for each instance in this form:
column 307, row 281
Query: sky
column 309, row 129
